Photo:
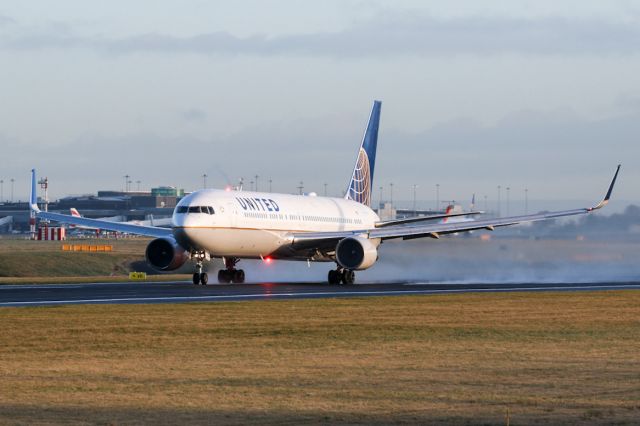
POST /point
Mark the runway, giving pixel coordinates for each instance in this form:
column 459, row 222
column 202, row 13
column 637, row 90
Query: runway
column 180, row 292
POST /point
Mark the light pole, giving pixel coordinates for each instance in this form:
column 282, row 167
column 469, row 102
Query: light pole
column 325, row 189
column 12, row 180
column 380, row 203
column 508, row 189
column 204, row 181
column 526, row 201
column 391, row 194
column 126, row 183
column 414, row 198
column 256, row 183
column 1, row 190
column 271, row 181
column 251, row 185
column 499, row 187
column 300, row 187
column 138, row 182
column 437, row 196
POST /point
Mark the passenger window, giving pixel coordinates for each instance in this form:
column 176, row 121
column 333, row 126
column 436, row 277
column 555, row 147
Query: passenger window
column 182, row 209
column 194, row 209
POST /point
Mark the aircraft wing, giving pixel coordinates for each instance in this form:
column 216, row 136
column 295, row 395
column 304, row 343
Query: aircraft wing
column 329, row 239
column 149, row 231
column 413, row 219
column 129, row 228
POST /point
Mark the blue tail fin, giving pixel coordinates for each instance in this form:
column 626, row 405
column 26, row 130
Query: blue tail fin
column 361, row 182
column 33, row 196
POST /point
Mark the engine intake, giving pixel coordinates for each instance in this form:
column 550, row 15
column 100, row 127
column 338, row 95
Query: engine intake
column 356, row 253
column 165, row 254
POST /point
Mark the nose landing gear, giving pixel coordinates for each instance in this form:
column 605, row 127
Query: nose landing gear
column 231, row 274
column 199, row 277
column 341, row 275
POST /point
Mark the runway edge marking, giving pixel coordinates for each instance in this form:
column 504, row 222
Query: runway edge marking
column 310, row 294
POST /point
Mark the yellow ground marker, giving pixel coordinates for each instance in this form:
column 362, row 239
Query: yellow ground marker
column 137, row 275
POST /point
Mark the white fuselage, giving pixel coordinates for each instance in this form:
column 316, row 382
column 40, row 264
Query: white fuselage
column 257, row 224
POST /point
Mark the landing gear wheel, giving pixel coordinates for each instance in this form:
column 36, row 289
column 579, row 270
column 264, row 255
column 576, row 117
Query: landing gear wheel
column 204, row 278
column 238, row 276
column 334, row 277
column 196, row 278
column 224, row 276
column 230, row 274
column 348, row 277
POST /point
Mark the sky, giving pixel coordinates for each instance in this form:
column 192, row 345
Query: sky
column 542, row 95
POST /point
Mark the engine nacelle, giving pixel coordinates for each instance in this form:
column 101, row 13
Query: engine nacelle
column 165, row 254
column 356, row 253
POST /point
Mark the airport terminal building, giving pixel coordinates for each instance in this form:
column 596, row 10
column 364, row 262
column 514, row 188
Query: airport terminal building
column 126, row 205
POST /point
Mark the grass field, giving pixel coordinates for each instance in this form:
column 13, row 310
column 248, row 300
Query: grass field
column 24, row 261
column 566, row 358
column 20, row 258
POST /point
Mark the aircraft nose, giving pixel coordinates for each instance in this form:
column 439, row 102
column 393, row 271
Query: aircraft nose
column 186, row 230
column 184, row 234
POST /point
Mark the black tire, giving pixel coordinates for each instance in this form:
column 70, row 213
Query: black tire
column 196, row 278
column 238, row 276
column 348, row 277
column 204, row 278
column 334, row 277
column 223, row 277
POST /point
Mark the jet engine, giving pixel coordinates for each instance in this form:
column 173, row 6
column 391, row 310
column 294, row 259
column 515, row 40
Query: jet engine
column 165, row 254
column 356, row 253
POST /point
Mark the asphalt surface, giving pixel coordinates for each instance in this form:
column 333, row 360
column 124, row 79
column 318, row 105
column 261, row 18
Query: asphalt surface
column 178, row 292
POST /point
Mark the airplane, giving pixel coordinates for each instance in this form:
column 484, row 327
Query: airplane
column 235, row 225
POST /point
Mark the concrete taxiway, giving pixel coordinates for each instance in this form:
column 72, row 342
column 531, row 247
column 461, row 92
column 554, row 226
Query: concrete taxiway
column 178, row 292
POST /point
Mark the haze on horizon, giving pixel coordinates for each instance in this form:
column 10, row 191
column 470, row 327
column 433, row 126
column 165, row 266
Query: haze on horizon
column 528, row 94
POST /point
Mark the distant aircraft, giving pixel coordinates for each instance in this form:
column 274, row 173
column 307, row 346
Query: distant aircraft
column 454, row 214
column 234, row 225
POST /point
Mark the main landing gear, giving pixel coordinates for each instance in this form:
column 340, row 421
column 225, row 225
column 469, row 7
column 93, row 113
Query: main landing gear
column 200, row 277
column 231, row 274
column 341, row 275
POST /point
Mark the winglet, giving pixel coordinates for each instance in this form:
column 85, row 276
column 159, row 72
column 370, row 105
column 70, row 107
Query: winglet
column 33, row 198
column 605, row 201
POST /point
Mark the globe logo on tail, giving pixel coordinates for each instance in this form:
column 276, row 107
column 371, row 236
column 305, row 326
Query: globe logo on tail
column 360, row 189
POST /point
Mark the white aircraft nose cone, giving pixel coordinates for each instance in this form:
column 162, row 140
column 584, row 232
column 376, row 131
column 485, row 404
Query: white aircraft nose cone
column 188, row 230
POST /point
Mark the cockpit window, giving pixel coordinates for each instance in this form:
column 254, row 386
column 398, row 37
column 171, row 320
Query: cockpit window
column 196, row 209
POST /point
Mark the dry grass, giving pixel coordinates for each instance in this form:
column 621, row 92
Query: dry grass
column 24, row 261
column 570, row 358
column 130, row 246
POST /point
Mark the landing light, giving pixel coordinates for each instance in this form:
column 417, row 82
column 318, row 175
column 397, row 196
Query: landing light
column 227, row 188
